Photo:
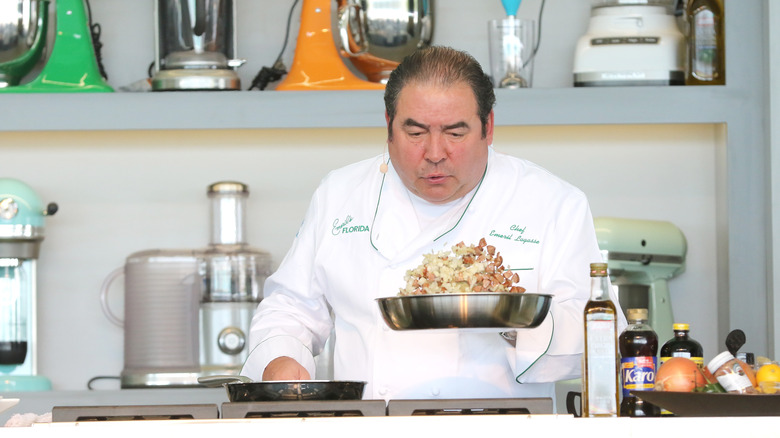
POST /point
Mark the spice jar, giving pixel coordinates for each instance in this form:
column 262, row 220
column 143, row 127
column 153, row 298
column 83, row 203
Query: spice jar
column 730, row 374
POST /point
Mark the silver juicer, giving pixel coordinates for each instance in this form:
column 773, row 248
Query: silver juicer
column 187, row 312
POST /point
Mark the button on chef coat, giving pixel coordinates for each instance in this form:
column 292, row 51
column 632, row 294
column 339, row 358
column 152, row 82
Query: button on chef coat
column 359, row 237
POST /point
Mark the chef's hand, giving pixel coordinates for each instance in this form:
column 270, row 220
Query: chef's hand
column 285, row 368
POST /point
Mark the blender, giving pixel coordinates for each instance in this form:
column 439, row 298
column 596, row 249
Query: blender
column 630, row 42
column 642, row 256
column 511, row 42
column 195, row 43
column 21, row 232
column 26, row 40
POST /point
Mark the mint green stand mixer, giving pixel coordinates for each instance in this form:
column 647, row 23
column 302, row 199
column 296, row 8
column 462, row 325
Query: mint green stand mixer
column 71, row 65
column 642, row 256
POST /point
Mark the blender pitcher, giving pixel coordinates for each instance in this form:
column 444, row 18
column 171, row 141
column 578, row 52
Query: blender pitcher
column 14, row 307
column 195, row 45
column 511, row 42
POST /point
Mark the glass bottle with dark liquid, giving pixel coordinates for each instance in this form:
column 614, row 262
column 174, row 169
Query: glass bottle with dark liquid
column 638, row 345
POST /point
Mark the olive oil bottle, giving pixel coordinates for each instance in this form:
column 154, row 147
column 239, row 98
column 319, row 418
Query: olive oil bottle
column 600, row 389
column 706, row 43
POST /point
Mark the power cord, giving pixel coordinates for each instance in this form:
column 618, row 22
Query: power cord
column 95, row 31
column 275, row 72
column 538, row 35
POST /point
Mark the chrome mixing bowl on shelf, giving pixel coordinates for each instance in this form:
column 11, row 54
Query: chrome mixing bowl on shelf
column 376, row 35
column 23, row 31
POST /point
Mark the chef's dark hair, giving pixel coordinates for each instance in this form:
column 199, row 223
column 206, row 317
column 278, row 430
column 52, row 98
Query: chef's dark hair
column 439, row 65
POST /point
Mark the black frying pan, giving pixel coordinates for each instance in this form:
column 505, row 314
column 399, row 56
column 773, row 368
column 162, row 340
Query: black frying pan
column 243, row 389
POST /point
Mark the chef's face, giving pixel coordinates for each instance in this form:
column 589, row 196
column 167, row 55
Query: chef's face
column 437, row 146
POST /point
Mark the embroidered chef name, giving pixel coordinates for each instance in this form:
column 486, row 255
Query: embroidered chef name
column 344, row 227
column 515, row 233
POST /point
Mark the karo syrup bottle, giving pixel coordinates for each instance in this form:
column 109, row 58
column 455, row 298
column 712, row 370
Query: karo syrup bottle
column 638, row 346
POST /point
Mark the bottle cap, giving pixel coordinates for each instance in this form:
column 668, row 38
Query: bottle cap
column 719, row 360
column 637, row 314
column 681, row 326
column 598, row 269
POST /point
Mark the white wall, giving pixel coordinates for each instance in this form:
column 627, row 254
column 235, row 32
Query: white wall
column 121, row 192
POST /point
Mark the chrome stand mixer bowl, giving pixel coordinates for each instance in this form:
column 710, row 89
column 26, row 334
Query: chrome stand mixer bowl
column 376, row 35
column 23, row 30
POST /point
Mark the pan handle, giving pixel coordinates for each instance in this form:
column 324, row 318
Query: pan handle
column 219, row 380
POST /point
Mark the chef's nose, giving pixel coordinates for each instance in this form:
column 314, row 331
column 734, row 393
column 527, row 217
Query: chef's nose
column 436, row 149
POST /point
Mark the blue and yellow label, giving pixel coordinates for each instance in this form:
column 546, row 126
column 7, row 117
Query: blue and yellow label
column 637, row 374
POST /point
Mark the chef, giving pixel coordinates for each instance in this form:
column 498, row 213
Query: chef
column 370, row 222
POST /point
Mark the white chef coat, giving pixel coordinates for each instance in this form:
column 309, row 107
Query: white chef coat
column 359, row 237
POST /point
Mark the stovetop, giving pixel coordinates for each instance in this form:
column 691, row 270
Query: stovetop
column 305, row 408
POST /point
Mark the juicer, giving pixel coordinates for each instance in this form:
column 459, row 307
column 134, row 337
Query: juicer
column 21, row 232
column 195, row 45
column 642, row 256
column 188, row 311
column 630, row 42
column 51, row 36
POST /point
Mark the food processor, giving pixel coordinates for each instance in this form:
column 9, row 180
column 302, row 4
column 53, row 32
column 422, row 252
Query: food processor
column 376, row 35
column 55, row 48
column 195, row 44
column 642, row 255
column 630, row 42
column 21, row 232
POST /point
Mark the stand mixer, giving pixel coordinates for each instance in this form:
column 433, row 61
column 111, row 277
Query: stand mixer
column 630, row 42
column 317, row 64
column 71, row 65
column 21, row 232
column 642, row 255
column 376, row 35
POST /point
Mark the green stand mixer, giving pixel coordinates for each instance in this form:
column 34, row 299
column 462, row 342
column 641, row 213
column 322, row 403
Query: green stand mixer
column 71, row 65
column 642, row 255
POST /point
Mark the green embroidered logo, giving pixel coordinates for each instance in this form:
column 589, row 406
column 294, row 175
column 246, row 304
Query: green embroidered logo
column 515, row 233
column 344, row 227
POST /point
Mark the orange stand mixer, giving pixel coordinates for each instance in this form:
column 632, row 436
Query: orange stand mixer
column 317, row 64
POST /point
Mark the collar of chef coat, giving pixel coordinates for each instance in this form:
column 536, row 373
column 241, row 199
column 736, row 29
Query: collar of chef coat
column 396, row 232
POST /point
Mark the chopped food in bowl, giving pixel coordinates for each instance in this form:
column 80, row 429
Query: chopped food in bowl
column 463, row 269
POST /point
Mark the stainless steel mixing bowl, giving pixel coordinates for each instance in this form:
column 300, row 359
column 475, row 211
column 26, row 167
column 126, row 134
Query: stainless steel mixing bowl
column 23, row 30
column 376, row 35
column 465, row 310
